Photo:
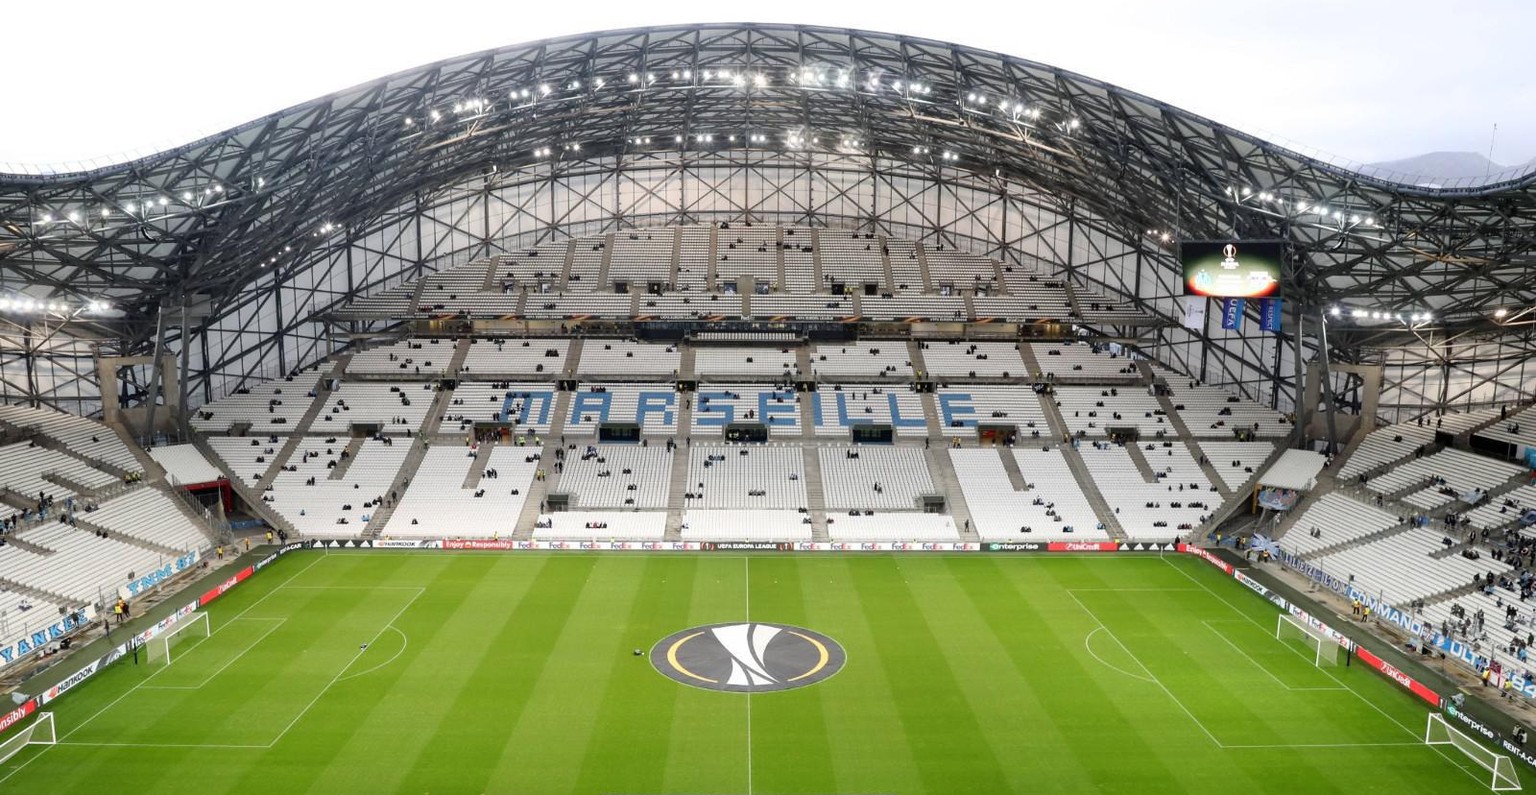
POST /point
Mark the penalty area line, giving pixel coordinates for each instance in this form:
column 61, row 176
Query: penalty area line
column 360, row 652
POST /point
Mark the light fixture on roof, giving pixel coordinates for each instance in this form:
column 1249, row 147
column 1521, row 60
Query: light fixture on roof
column 74, row 217
column 1500, row 313
column 436, row 116
column 759, row 80
column 47, row 218
column 1334, row 311
column 634, row 78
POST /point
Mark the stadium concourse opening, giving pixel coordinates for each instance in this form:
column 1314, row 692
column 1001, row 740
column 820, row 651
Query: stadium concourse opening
column 772, row 353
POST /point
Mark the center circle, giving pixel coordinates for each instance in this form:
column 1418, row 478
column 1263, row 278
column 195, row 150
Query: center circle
column 748, row 657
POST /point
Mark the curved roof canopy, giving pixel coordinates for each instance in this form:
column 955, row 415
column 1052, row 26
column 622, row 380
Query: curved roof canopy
column 207, row 217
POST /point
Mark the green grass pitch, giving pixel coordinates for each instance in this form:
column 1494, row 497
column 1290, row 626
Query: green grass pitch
column 514, row 673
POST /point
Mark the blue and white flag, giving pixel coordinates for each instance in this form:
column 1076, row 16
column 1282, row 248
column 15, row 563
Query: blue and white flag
column 1232, row 313
column 1269, row 314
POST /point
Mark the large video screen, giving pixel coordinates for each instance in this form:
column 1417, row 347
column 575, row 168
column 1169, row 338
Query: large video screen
column 1232, row 268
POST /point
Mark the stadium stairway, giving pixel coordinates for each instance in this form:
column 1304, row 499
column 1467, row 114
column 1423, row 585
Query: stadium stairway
column 1080, row 471
column 456, row 362
column 421, row 287
column 147, row 464
column 1139, row 458
column 686, row 359
column 1015, row 475
column 816, row 271
column 779, row 275
column 1077, row 308
column 804, row 368
column 573, row 356
column 533, row 504
column 477, row 469
column 565, row 264
column 678, row 478
column 712, row 271
column 919, row 364
column 1183, row 430
column 1464, row 439
column 922, row 267
column 943, row 471
column 746, row 305
column 380, row 516
column 1027, row 353
column 489, row 285
column 815, row 493
column 887, row 273
column 317, row 405
column 675, row 267
column 605, row 265
column 251, row 497
column 344, row 463
column 970, row 306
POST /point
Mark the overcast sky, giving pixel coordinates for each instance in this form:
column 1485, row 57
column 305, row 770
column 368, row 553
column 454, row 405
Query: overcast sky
column 1366, row 80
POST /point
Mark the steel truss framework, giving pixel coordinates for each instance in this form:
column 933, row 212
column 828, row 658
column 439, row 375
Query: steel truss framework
column 246, row 237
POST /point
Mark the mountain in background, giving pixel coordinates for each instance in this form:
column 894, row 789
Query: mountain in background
column 1439, row 168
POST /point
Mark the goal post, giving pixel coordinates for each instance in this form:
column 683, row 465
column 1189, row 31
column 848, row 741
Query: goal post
column 39, row 732
column 1500, row 767
column 194, row 626
column 1324, row 651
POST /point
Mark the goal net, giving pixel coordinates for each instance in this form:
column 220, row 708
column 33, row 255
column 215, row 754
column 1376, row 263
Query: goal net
column 38, row 732
column 1500, row 767
column 1324, row 651
column 193, row 628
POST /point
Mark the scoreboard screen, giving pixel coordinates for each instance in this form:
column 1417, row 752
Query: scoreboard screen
column 1232, row 268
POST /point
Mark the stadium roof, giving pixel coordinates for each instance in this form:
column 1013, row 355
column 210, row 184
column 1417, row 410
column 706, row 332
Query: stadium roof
column 214, row 216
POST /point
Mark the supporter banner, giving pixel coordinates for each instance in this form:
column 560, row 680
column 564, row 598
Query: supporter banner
column 144, row 582
column 1232, row 314
column 15, row 716
column 1488, row 733
column 1277, row 499
column 1457, row 650
column 15, row 648
column 1312, row 572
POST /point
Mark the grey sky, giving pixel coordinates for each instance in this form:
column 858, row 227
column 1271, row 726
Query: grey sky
column 1366, row 81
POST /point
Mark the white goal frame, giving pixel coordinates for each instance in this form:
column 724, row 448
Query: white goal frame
column 164, row 641
column 39, row 732
column 1440, row 732
column 1326, row 650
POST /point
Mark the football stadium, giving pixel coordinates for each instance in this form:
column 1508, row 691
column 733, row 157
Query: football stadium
column 879, row 416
